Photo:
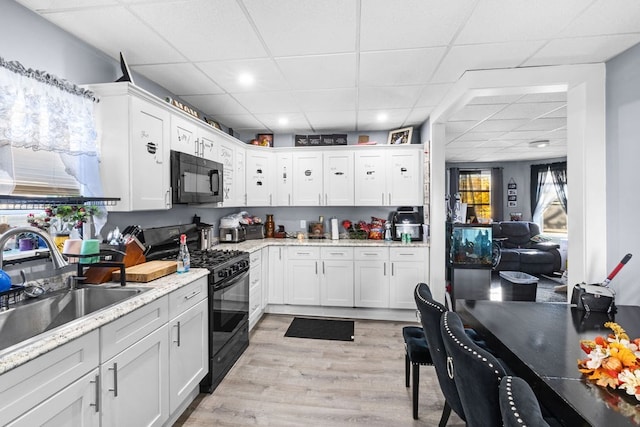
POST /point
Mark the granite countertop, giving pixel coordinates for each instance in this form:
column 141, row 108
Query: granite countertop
column 254, row 245
column 19, row 354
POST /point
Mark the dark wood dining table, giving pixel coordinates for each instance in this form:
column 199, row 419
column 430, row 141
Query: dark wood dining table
column 540, row 342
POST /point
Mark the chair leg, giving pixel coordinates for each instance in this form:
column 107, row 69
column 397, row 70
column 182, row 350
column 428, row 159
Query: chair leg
column 407, row 368
column 416, row 389
column 446, row 412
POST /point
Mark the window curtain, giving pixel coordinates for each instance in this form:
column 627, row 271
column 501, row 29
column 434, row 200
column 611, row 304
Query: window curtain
column 538, row 174
column 497, row 198
column 42, row 112
column 558, row 173
column 454, row 187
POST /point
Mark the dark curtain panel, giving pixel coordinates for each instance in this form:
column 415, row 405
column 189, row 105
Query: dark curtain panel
column 497, row 195
column 454, row 186
column 559, row 176
column 537, row 179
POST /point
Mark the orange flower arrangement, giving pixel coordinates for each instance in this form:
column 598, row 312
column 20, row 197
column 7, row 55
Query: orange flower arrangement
column 613, row 361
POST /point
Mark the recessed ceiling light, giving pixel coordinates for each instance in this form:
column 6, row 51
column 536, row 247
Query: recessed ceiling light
column 283, row 121
column 246, row 79
column 382, row 117
column 539, row 143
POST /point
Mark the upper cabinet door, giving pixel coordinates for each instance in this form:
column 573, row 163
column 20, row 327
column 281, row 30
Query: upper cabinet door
column 284, row 179
column 307, row 179
column 227, row 156
column 259, row 170
column 184, row 136
column 239, row 185
column 338, row 179
column 404, row 178
column 370, row 178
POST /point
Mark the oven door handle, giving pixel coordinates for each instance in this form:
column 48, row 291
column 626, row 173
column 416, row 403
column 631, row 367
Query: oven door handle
column 233, row 281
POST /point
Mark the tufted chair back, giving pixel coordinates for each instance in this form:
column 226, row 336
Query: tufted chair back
column 518, row 404
column 476, row 373
column 430, row 313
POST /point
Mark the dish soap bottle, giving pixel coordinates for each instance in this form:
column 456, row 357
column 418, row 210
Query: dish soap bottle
column 184, row 260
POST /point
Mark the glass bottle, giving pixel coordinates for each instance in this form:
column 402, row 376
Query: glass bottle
column 269, row 226
column 387, row 232
column 184, row 259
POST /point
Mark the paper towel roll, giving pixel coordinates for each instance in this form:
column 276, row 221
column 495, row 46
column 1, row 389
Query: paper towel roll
column 334, row 229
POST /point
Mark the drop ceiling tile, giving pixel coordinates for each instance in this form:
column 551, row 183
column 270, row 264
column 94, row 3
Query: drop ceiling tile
column 459, row 127
column 333, row 120
column 294, row 121
column 179, row 79
column 560, row 112
column 103, row 28
column 203, row 30
column 480, row 57
column 418, row 116
column 466, row 145
column 499, row 125
column 384, row 98
column 524, row 135
column 43, row 6
column 239, row 121
column 368, row 120
column 410, row 24
column 527, row 110
column 225, row 73
column 583, row 50
column 605, row 17
column 319, row 72
column 398, row 67
column 495, row 99
column 545, row 124
column 432, row 94
column 326, row 99
column 216, row 104
column 292, row 27
column 476, row 112
column 499, row 21
column 268, row 102
column 479, row 136
column 545, row 97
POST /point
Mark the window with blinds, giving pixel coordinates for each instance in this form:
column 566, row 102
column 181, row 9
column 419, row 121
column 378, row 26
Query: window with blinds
column 475, row 191
column 41, row 173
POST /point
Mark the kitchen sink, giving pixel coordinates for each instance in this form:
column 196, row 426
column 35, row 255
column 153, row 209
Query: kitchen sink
column 30, row 318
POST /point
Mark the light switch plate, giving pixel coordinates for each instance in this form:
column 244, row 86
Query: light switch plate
column 303, row 224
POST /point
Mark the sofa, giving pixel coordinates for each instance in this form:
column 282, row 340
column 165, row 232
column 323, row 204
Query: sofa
column 524, row 249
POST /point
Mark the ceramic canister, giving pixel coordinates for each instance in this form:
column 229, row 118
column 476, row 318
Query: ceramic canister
column 90, row 247
column 72, row 247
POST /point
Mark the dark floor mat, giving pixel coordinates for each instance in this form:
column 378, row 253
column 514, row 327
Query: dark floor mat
column 321, row 329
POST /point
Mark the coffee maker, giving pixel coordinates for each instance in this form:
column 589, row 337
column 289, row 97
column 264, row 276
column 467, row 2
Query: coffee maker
column 406, row 220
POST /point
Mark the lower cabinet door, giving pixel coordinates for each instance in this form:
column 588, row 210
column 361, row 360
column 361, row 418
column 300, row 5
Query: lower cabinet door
column 188, row 352
column 336, row 287
column 371, row 284
column 75, row 405
column 135, row 384
column 404, row 278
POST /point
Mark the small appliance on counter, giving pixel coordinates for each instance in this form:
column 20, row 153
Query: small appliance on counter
column 232, row 235
column 253, row 231
column 406, row 220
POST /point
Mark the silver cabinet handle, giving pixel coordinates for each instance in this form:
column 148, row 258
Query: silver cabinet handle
column 270, row 199
column 280, row 254
column 319, row 199
column 385, row 268
column 383, row 198
column 323, row 267
column 167, row 197
column 316, row 267
column 389, row 198
column 97, row 383
column 115, row 380
column 392, row 269
column 177, row 341
column 326, row 199
column 193, row 294
column 289, row 199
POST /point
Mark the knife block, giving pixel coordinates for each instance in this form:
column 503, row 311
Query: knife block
column 134, row 255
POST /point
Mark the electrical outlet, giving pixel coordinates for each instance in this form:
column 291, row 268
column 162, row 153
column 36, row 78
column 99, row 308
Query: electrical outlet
column 303, row 224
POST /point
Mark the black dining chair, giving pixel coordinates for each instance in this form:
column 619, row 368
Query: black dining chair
column 430, row 313
column 475, row 371
column 518, row 404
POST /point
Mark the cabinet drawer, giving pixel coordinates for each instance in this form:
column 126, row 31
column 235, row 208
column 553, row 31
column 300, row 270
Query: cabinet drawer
column 131, row 328
column 336, row 253
column 26, row 386
column 366, row 254
column 408, row 254
column 303, row 253
column 187, row 296
column 255, row 258
column 255, row 274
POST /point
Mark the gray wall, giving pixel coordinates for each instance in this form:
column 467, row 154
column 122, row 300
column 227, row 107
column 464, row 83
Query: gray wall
column 623, row 153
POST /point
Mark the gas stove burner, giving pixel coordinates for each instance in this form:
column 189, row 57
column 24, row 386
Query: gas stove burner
column 223, row 264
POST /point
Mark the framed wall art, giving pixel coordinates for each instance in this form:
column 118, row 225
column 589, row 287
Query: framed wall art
column 400, row 136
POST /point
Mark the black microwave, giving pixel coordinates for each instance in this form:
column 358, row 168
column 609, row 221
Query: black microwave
column 195, row 179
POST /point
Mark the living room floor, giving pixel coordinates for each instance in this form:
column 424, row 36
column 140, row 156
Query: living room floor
column 544, row 293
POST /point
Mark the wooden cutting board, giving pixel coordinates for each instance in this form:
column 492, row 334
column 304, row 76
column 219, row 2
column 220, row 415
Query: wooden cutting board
column 147, row 271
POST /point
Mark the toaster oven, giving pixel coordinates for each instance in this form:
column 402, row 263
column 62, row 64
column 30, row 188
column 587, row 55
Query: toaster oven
column 232, row 235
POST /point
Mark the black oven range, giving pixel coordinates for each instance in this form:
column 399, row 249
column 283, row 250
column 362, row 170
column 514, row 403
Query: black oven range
column 228, row 294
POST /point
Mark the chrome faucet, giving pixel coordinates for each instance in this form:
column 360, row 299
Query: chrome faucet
column 56, row 257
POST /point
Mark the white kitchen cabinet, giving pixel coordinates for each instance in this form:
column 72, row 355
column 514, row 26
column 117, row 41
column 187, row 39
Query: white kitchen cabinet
column 255, row 288
column 259, row 177
column 190, row 137
column 75, row 405
column 308, row 178
column 265, row 278
column 408, row 268
column 389, row 177
column 284, row 179
column 303, row 276
column 336, row 284
column 134, row 144
column 232, row 158
column 188, row 341
column 32, row 384
column 276, row 288
column 371, row 277
column 338, row 178
column 135, row 383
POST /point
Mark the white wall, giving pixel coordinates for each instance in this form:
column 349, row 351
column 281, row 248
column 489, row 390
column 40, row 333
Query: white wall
column 623, row 153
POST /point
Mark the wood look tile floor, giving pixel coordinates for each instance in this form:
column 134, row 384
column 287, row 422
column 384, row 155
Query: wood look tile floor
column 282, row 381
